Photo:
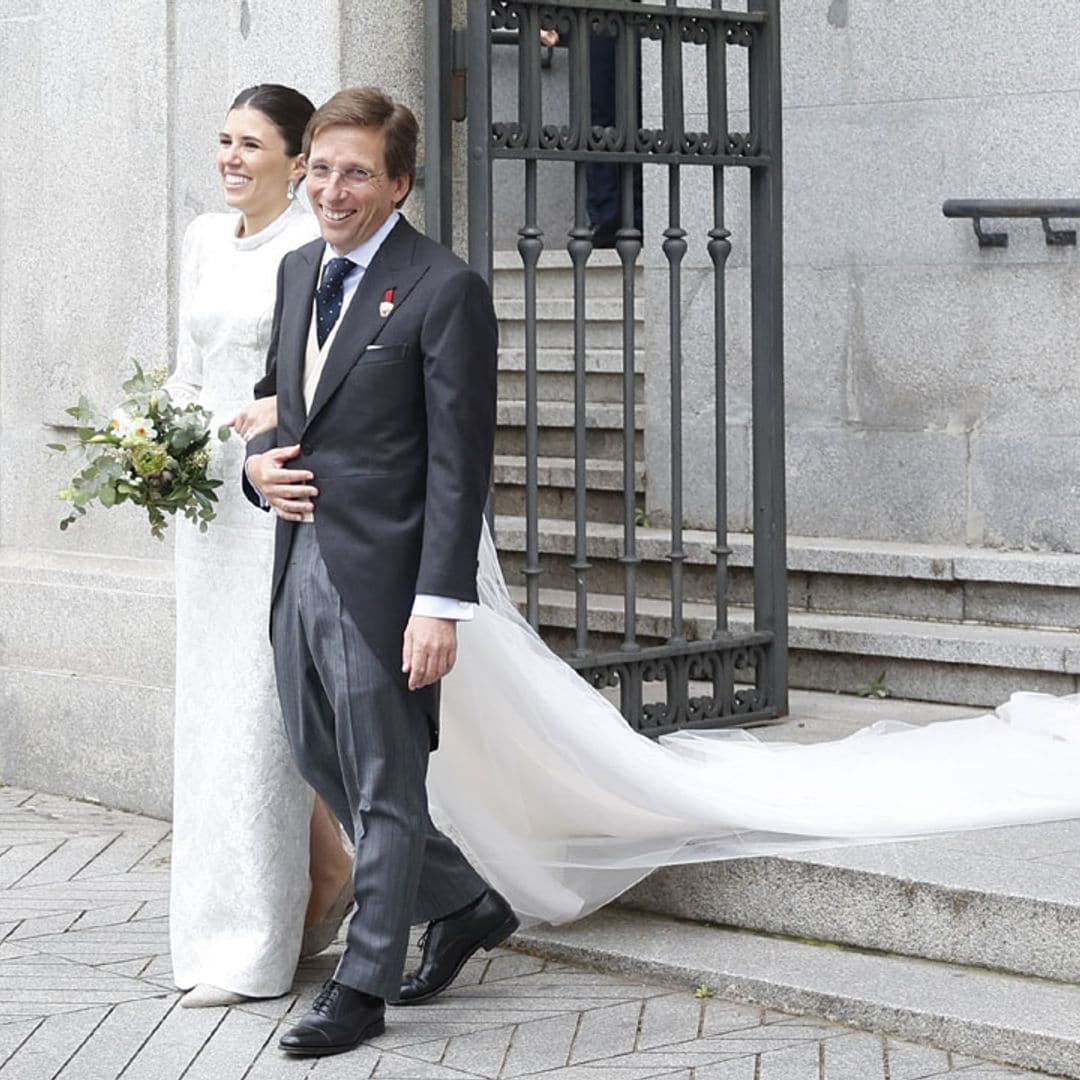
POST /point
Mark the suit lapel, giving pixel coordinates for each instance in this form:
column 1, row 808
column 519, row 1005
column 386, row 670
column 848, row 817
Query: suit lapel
column 293, row 344
column 361, row 323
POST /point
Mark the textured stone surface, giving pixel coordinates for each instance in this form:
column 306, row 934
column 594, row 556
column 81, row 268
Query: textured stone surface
column 86, row 994
column 1023, row 1021
column 883, row 477
column 1011, row 904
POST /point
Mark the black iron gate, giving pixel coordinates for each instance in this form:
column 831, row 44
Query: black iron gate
column 732, row 676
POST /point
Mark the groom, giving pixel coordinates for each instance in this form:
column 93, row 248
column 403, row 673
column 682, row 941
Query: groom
column 383, row 359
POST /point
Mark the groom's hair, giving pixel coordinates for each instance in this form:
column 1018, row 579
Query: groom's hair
column 369, row 107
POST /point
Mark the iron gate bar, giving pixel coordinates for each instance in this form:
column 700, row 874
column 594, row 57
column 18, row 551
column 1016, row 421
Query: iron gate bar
column 767, row 351
column 438, row 155
column 579, row 245
column 530, row 245
column 755, row 658
column 478, row 99
column 719, row 248
column 674, row 248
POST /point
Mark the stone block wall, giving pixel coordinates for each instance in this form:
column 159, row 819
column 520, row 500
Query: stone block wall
column 932, row 391
column 108, row 128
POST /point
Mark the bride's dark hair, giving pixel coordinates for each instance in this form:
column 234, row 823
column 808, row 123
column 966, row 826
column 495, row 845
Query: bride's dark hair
column 286, row 108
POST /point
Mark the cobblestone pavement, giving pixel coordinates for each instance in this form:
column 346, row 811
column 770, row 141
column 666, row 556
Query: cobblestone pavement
column 86, row 994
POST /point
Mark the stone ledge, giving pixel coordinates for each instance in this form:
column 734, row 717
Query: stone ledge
column 827, row 555
column 980, row 898
column 559, row 472
column 560, row 414
column 557, row 259
column 153, row 576
column 882, row 637
column 1011, row 1018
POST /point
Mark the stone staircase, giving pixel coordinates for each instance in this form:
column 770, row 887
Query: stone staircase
column 943, row 623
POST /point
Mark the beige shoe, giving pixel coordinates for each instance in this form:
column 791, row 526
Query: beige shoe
column 205, row 996
column 321, row 935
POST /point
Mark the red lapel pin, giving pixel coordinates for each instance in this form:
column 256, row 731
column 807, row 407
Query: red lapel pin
column 387, row 304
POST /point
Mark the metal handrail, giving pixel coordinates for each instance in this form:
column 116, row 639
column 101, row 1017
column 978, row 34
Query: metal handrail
column 1043, row 209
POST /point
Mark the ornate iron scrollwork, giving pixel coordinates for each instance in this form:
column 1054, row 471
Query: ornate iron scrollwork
column 528, row 134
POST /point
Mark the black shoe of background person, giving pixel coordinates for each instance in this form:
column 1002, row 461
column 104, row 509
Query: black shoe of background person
column 603, row 236
column 339, row 1019
column 449, row 942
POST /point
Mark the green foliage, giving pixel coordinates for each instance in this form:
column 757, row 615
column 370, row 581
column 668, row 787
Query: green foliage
column 703, row 991
column 149, row 452
column 875, row 688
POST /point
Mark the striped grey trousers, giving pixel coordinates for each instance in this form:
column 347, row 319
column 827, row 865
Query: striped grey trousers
column 363, row 746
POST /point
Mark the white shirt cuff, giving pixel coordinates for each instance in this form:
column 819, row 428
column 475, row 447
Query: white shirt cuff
column 443, row 607
column 262, row 498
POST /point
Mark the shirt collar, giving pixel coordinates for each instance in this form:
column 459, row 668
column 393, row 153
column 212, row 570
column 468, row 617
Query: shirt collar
column 363, row 253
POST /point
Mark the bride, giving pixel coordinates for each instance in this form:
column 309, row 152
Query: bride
column 244, row 822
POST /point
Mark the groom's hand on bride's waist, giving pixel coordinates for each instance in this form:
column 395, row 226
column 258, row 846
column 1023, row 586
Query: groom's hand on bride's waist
column 429, row 650
column 288, row 491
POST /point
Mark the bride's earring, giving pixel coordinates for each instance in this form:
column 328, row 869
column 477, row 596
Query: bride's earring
column 291, row 193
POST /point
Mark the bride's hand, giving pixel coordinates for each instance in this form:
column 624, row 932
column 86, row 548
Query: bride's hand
column 254, row 419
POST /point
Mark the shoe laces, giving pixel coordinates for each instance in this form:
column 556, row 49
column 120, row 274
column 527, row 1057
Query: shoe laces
column 325, row 998
column 423, row 939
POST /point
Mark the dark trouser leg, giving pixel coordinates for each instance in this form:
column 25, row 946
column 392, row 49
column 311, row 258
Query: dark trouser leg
column 363, row 746
column 602, row 181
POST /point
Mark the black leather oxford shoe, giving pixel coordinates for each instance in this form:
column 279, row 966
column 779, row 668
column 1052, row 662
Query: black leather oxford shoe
column 339, row 1019
column 448, row 943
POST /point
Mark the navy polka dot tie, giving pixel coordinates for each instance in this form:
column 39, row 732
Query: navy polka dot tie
column 329, row 295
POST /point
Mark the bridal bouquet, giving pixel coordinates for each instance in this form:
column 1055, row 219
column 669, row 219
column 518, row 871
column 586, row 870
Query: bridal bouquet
column 149, row 451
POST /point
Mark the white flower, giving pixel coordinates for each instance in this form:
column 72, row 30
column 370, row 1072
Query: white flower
column 125, row 426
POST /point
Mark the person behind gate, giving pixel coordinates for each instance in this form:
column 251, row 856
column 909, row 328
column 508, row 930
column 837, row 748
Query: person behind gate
column 383, row 359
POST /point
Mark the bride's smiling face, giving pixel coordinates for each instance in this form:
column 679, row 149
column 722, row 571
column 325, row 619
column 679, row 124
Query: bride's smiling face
column 254, row 164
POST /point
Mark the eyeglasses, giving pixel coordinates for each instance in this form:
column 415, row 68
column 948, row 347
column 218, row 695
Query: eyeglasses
column 353, row 178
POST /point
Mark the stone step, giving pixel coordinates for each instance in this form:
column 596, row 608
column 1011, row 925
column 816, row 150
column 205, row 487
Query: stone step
column 927, row 582
column 1020, row 1020
column 926, row 661
column 556, row 331
column 601, row 387
column 604, row 429
column 555, row 273
column 604, row 487
column 560, row 414
column 597, row 360
column 1007, row 899
column 598, row 310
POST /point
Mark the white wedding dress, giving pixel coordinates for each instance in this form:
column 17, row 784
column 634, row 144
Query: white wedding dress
column 241, row 812
column 561, row 806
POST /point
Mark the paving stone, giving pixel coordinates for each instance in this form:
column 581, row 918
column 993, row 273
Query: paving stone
column 53, row 1042
column 668, row 1020
column 19, row 860
column 403, row 1068
column 235, row 1043
column 174, row 1044
column 481, row 1052
column 908, row 1061
column 67, row 860
column 854, row 1057
column 800, row 1062
column 542, row 1044
column 744, row 1068
column 606, row 1033
column 117, row 1040
column 13, row 1034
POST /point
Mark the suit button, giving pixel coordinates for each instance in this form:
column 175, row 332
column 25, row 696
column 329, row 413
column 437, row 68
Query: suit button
column 305, row 449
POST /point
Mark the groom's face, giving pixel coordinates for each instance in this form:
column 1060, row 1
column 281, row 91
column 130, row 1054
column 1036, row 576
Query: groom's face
column 354, row 196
